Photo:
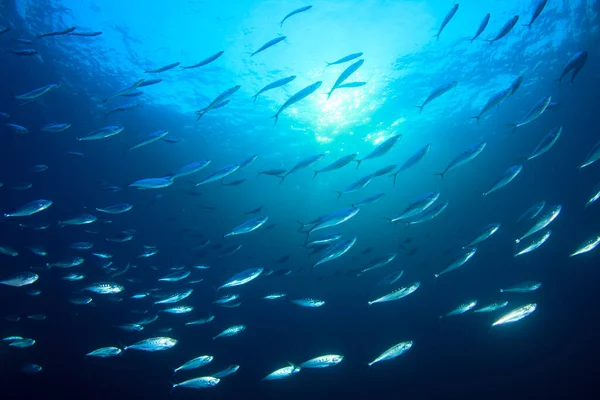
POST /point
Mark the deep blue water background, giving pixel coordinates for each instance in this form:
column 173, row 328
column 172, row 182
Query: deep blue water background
column 551, row 354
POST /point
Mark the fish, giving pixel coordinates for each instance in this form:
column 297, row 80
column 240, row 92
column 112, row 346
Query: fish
column 149, row 82
column 105, row 352
column 198, row 383
column 324, row 239
column 536, row 12
column 379, row 262
column 23, row 343
column 575, row 64
column 437, row 92
column 175, row 276
column 68, row 262
column 485, row 234
column 334, row 219
column 296, row 11
column 308, row 302
column 447, row 19
column 380, row 150
column 38, row 250
column 248, row 161
column 592, row 157
column 412, row 160
column 533, row 244
column 543, row 221
column 587, row 246
column 81, row 245
column 296, row 97
column 201, row 321
column 232, row 369
column 417, row 206
column 465, row 156
column 37, row 93
column 103, row 133
column 153, row 344
column 505, row 178
column 254, row 210
column 126, row 91
column 533, row 113
column 29, row 209
column 356, row 185
column 336, row 251
column 594, row 196
column 82, row 219
column 55, row 128
column 347, row 58
column 72, row 277
column 393, row 352
column 493, row 102
column 369, row 200
column 4, row 30
column 57, row 33
column 162, row 69
column 9, row 251
column 218, row 174
column 516, row 314
column 123, row 108
column 522, row 287
column 482, row 25
column 305, row 163
column 516, row 85
column 274, row 85
column 152, row 183
column 459, row 261
column 18, row 129
column 20, row 279
column 218, row 100
column 270, row 43
column 274, row 296
column 242, row 278
column 189, row 169
column 351, row 85
column 385, row 170
column 24, row 52
column 461, row 309
column 37, row 317
column 533, row 211
column 283, row 373
column 491, row 307
column 179, row 309
column 397, row 294
column 391, row 278
column 86, row 34
column 31, row 368
column 231, row 331
column 248, row 226
column 150, row 138
column 205, row 61
column 506, row 28
column 115, row 209
column 345, row 75
column 105, row 288
column 546, row 143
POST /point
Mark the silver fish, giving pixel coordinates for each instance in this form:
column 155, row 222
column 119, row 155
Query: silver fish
column 437, row 92
column 459, row 261
column 505, row 178
column 283, row 373
column 205, row 61
column 162, row 69
column 218, row 174
column 533, row 211
column 174, row 297
column 232, row 369
column 297, row 97
column 381, row 150
column 594, row 196
column 546, row 143
column 461, row 309
column 345, row 75
column 336, row 251
column 150, row 138
column 536, row 13
column 592, row 157
column 248, row 226
column 297, row 11
column 198, row 383
column 589, row 245
column 412, row 160
column 447, row 19
column 507, row 27
column 30, row 208
column 522, row 287
column 356, row 185
column 417, row 206
column 379, row 262
column 153, row 344
column 465, row 156
column 493, row 102
column 516, row 314
column 305, row 163
column 543, row 221
column 152, row 183
column 487, row 232
column 347, row 58
column 105, row 288
column 537, row 110
column 491, row 307
column 574, row 64
column 103, row 133
column 337, row 164
column 393, row 352
column 270, row 43
column 533, row 244
column 481, row 27
column 242, row 278
column 274, row 85
column 397, row 294
column 20, row 279
column 115, row 209
column 308, row 302
column 231, row 331
column 105, row 352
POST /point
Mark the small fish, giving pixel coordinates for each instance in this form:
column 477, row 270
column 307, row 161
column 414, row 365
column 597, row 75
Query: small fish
column 122, row 108
column 9, row 251
column 491, row 307
column 296, row 97
column 18, row 129
column 393, row 352
column 162, row 69
column 37, row 93
column 369, row 200
column 347, row 58
column 379, row 262
column 594, row 196
column 23, row 343
column 412, row 160
column 116, row 209
column 189, row 169
column 533, row 211
column 231, row 331
column 73, row 277
column 533, row 244
column 592, row 157
column 179, row 309
column 505, row 29
column 305, row 163
column 206, row 61
column 31, row 368
column 152, row 183
column 201, row 321
column 275, row 296
column 437, row 92
column 81, row 246
column 381, row 150
column 417, row 206
column 522, row 287
column 105, row 352
column 85, row 34
column 105, row 288
column 447, row 19
column 589, row 245
column 397, row 294
column 248, row 226
column 232, row 369
column 459, row 261
column 465, row 156
column 174, row 297
column 505, row 178
column 345, row 75
column 391, row 278
column 283, row 373
column 356, row 185
column 485, row 234
column 533, row 113
column 482, row 26
column 242, row 278
column 516, row 314
column 175, row 276
column 516, row 85
column 150, row 138
column 461, row 309
column 351, row 85
column 270, row 43
column 493, row 102
column 39, row 168
column 131, row 327
column 536, row 13
column 543, row 221
column 194, row 363
column 574, row 64
column 336, row 251
column 221, row 173
column 24, row 52
column 546, row 143
column 226, row 299
column 57, row 33
column 219, row 100
column 198, row 383
column 20, row 279
column 297, row 11
column 153, row 344
column 82, row 219
column 55, row 128
column 103, row 133
column 274, row 85
column 308, row 302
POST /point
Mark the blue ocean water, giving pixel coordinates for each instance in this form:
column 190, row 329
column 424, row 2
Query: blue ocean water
column 548, row 354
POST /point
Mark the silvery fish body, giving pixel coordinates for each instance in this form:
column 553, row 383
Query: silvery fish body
column 195, row 363
column 393, row 352
column 232, row 331
column 153, row 344
column 522, row 287
column 105, row 352
column 461, row 309
column 325, row 361
column 543, row 221
column 242, row 277
column 492, row 307
column 516, row 314
column 533, row 244
column 397, row 294
column 546, row 143
column 248, row 226
column 283, row 373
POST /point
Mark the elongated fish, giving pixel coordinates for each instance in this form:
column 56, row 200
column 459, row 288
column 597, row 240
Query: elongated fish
column 465, row 156
column 356, row 185
column 369, row 200
column 417, row 206
column 231, row 331
column 412, row 160
column 380, row 150
column 345, row 75
column 461, row 309
column 594, row 196
column 536, row 12
column 283, row 373
column 125, row 92
column 297, row 11
column 393, row 352
column 153, row 344
column 174, row 297
column 37, row 93
column 197, row 383
column 324, row 361
column 232, row 369
column 428, row 214
column 150, row 138
column 217, row 101
column 55, row 128
column 152, row 183
column 333, row 219
column 516, row 85
column 103, row 133
column 162, row 69
column 505, row 29
column 273, row 85
column 248, row 226
column 337, row 164
column 516, row 314
column 218, row 174
column 57, row 33
column 592, row 157
column 115, row 209
column 86, row 34
column 574, row 64
column 270, row 43
column 494, row 101
column 459, row 261
column 397, row 294
column 485, row 234
column 189, row 169
column 20, row 279
column 437, row 92
column 505, row 178
column 523, row 287
column 482, row 26
column 30, row 208
column 105, row 352
column 194, row 363
column 491, row 307
column 347, row 58
column 336, row 251
column 533, row 113
column 350, row 85
column 379, row 262
column 532, row 244
column 546, row 143
column 175, row 276
column 297, row 97
column 543, row 221
column 447, row 19
column 589, row 245
column 305, row 163
column 308, row 302
column 242, row 278
column 205, row 61
column 533, row 211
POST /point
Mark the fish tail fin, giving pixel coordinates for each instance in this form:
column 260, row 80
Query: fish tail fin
column 437, row 276
column 437, row 36
column 440, row 174
column 395, row 176
column 471, row 40
column 328, row 64
column 357, row 163
column 477, row 118
column 276, row 116
column 339, row 194
column 254, row 97
column 315, row 174
column 514, row 126
column 420, row 108
column 282, row 178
